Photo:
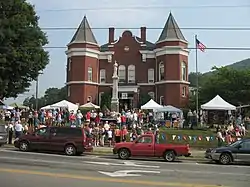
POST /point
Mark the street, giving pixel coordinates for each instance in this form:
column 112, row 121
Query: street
column 18, row 169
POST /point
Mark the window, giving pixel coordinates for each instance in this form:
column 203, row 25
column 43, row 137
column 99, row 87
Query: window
column 102, row 76
column 161, row 71
column 89, row 99
column 183, row 71
column 122, row 74
column 184, row 91
column 65, row 132
column 151, row 76
column 68, row 91
column 131, row 73
column 90, row 74
column 42, row 131
column 69, row 64
column 245, row 145
column 152, row 95
column 100, row 98
column 162, row 100
column 144, row 140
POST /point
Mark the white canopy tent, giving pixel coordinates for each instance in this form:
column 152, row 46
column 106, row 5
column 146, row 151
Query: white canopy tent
column 217, row 103
column 65, row 104
column 48, row 107
column 168, row 108
column 152, row 105
column 90, row 106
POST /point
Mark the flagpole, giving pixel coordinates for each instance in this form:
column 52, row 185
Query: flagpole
column 197, row 80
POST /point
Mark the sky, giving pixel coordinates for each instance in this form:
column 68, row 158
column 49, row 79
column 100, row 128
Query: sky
column 134, row 14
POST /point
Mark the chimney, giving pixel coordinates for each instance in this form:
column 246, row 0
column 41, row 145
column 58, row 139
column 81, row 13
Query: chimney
column 143, row 34
column 111, row 34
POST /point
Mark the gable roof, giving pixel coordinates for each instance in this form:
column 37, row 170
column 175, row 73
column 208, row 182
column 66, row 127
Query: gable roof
column 171, row 30
column 84, row 33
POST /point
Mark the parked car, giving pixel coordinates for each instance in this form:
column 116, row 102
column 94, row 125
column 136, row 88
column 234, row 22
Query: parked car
column 147, row 146
column 71, row 141
column 238, row 151
column 3, row 135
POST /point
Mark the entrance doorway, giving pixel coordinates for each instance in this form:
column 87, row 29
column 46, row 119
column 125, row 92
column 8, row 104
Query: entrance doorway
column 125, row 104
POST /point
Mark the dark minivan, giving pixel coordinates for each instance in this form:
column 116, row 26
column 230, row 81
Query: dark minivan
column 71, row 141
column 3, row 135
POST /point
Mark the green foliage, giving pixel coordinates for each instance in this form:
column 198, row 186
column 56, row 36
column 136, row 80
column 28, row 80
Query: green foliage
column 51, row 96
column 144, row 98
column 106, row 101
column 231, row 84
column 22, row 56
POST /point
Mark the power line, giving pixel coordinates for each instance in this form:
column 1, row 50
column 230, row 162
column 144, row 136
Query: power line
column 148, row 48
column 156, row 28
column 145, row 7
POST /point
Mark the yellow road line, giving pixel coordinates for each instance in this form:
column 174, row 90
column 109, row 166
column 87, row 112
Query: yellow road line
column 102, row 179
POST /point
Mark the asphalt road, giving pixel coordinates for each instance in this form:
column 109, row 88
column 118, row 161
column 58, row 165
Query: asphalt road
column 18, row 169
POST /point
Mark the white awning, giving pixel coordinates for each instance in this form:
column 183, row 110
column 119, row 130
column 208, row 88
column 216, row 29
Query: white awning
column 217, row 103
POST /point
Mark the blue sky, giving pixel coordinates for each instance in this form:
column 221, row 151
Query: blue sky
column 108, row 13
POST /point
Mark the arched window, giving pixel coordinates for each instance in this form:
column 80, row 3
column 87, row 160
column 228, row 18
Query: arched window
column 162, row 100
column 152, row 95
column 184, row 91
column 183, row 71
column 68, row 91
column 90, row 74
column 102, row 76
column 151, row 75
column 89, row 99
column 100, row 98
column 161, row 71
column 122, row 74
column 131, row 73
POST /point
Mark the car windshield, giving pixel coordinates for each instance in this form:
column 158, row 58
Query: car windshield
column 235, row 144
column 2, row 128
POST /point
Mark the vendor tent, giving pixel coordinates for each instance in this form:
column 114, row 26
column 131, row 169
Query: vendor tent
column 168, row 108
column 6, row 107
column 48, row 107
column 89, row 106
column 65, row 104
column 16, row 105
column 217, row 103
column 151, row 105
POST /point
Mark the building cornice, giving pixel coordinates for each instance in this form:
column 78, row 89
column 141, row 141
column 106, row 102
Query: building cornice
column 172, row 40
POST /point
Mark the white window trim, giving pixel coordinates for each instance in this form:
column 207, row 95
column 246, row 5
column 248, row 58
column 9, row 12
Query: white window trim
column 69, row 63
column 152, row 95
column 159, row 70
column 161, row 99
column 184, row 91
column 131, row 70
column 102, row 75
column 123, row 69
column 153, row 75
column 183, row 65
column 100, row 97
column 90, row 71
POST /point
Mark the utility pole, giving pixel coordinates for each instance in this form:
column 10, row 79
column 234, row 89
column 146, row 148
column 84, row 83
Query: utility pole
column 37, row 92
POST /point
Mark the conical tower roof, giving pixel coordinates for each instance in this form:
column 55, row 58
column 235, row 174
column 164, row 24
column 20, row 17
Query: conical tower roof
column 171, row 30
column 84, row 33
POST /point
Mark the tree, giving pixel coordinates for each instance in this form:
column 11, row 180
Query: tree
column 51, row 96
column 106, row 100
column 144, row 98
column 22, row 56
column 192, row 77
column 231, row 84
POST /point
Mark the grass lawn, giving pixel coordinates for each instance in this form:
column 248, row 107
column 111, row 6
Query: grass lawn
column 200, row 144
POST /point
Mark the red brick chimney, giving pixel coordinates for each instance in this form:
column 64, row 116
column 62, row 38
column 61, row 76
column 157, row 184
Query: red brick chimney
column 111, row 34
column 143, row 34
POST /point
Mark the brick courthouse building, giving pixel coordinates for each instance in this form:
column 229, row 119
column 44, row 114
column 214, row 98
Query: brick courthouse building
column 159, row 69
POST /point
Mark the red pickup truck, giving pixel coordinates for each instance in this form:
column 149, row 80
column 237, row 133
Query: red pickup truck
column 146, row 146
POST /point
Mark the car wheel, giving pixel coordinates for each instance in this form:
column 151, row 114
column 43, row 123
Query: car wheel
column 24, row 146
column 123, row 154
column 70, row 150
column 225, row 158
column 169, row 156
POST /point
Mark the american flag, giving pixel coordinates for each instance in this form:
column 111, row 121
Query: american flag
column 200, row 45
